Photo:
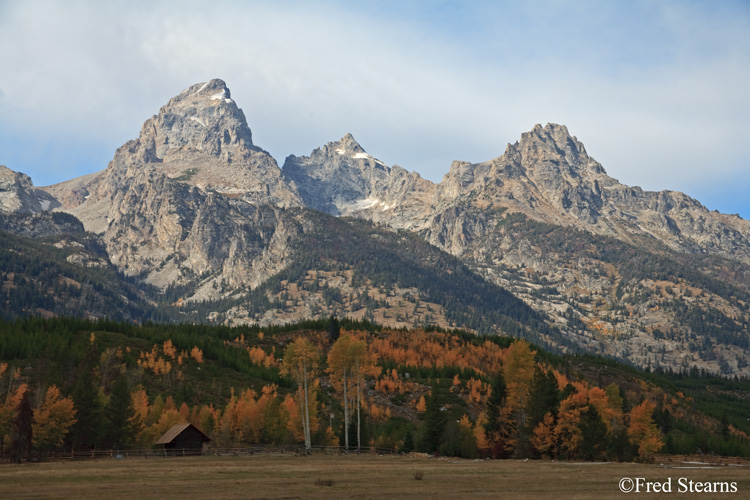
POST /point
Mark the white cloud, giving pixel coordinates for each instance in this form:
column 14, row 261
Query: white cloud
column 660, row 103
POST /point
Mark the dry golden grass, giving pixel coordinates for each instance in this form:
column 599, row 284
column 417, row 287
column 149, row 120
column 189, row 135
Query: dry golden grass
column 352, row 476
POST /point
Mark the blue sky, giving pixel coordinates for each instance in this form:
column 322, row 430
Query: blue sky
column 656, row 90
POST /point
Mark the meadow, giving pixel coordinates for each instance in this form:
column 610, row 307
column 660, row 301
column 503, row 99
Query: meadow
column 349, row 476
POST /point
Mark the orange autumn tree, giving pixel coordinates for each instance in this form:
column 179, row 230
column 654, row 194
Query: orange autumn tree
column 518, row 369
column 568, row 429
column 52, row 420
column 643, row 432
column 544, row 436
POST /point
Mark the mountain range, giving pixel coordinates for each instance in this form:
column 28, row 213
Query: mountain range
column 192, row 221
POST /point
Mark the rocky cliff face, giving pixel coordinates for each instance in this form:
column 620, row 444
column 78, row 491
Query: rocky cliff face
column 192, row 199
column 341, row 178
column 338, row 177
column 17, row 193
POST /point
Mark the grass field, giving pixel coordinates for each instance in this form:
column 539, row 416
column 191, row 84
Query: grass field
column 364, row 476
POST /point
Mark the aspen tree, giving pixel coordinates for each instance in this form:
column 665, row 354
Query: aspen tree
column 300, row 361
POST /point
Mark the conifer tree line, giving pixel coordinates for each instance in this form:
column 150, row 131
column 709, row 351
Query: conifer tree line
column 328, row 383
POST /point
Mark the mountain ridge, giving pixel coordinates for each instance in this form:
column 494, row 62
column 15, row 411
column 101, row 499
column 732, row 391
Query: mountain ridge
column 194, row 208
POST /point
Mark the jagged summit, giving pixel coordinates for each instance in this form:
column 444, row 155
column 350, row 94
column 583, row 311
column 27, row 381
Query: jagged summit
column 216, row 88
column 200, row 138
column 552, row 144
column 347, row 145
column 179, row 193
column 337, row 176
column 202, row 117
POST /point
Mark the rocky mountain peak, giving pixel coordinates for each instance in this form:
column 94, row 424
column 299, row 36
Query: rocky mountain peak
column 336, row 177
column 17, row 193
column 347, row 145
column 551, row 144
column 203, row 118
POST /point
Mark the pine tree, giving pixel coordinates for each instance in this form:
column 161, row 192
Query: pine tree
column 434, row 422
column 86, row 432
column 408, row 445
column 21, row 432
column 593, row 434
column 119, row 416
column 543, row 397
column 495, row 402
column 333, row 329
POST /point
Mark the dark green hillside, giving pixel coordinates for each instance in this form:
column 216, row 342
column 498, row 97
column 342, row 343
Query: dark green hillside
column 404, row 258
column 64, row 274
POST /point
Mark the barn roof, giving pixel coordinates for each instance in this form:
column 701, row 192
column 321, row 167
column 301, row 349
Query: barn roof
column 178, row 429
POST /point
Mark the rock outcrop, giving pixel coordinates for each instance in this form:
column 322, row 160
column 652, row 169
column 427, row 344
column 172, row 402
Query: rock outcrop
column 17, row 194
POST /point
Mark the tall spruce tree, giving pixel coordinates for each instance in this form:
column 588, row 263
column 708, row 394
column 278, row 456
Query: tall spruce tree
column 86, row 432
column 119, row 430
column 434, row 422
column 493, row 425
column 408, row 445
column 22, row 430
column 593, row 434
column 544, row 397
column 334, row 329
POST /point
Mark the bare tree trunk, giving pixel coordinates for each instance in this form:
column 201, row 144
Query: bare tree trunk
column 346, row 416
column 359, row 404
column 308, row 440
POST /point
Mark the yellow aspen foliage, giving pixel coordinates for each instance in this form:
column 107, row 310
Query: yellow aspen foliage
column 331, row 438
column 185, row 412
column 295, row 418
column 465, row 423
column 196, row 354
column 562, row 380
column 474, row 387
column 15, row 399
column 257, row 355
column 169, row 404
column 140, row 406
column 544, row 436
column 379, row 414
column 8, row 410
column 169, row 349
column 569, row 416
column 518, row 371
column 421, row 405
column 52, row 420
column 205, row 419
column 480, row 434
column 599, row 399
column 168, row 419
column 643, row 432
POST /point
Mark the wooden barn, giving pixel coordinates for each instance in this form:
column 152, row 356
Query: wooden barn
column 183, row 439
